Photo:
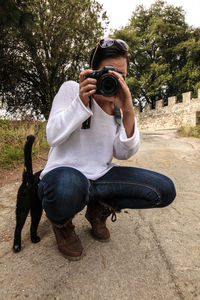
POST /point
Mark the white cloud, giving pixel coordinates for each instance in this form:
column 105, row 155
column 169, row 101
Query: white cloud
column 119, row 12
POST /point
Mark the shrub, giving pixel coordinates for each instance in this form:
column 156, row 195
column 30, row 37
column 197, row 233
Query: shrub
column 190, row 131
column 13, row 137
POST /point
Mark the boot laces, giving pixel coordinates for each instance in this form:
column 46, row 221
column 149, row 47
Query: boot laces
column 108, row 210
column 113, row 216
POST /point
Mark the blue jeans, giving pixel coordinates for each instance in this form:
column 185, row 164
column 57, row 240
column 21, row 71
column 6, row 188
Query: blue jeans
column 65, row 191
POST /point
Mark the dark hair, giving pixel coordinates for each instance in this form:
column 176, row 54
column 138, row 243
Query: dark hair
column 116, row 50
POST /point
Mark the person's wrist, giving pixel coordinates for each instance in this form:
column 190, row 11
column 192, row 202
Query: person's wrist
column 85, row 100
column 129, row 110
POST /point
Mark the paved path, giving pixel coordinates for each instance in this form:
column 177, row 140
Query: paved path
column 153, row 254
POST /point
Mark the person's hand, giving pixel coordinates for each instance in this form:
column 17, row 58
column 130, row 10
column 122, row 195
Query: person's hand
column 123, row 99
column 87, row 87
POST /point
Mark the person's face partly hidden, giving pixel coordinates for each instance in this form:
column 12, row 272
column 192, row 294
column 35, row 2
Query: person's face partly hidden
column 120, row 65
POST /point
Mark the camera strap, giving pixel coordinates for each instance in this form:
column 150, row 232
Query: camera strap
column 117, row 114
column 87, row 123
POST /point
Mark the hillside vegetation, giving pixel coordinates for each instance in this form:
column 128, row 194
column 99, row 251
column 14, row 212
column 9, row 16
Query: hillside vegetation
column 13, row 137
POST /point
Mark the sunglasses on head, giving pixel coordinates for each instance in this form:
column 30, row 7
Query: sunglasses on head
column 108, row 42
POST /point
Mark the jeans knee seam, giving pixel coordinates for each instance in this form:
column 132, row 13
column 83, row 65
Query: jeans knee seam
column 131, row 183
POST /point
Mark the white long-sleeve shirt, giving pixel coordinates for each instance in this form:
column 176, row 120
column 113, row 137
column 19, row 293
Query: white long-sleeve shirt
column 88, row 150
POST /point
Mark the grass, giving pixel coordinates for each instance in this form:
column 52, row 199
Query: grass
column 13, row 137
column 190, row 131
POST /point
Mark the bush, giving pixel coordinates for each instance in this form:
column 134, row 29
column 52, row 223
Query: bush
column 190, row 131
column 13, row 137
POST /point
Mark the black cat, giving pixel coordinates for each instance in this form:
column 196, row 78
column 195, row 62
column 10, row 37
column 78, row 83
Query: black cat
column 27, row 199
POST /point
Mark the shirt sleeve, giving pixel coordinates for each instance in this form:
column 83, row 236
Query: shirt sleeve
column 67, row 114
column 125, row 147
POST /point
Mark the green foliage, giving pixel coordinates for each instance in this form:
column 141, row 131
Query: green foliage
column 13, row 137
column 12, row 15
column 38, row 56
column 190, row 131
column 189, row 75
column 164, row 52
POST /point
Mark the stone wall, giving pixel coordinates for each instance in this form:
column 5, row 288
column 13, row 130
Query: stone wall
column 173, row 115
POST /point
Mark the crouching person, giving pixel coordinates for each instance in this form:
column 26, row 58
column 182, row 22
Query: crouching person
column 85, row 131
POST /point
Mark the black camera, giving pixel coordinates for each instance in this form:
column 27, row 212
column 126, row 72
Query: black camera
column 107, row 84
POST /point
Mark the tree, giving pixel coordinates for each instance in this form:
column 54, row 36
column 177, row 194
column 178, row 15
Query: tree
column 189, row 76
column 10, row 17
column 46, row 52
column 159, row 44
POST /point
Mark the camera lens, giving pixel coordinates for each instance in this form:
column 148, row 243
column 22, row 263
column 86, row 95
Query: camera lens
column 108, row 85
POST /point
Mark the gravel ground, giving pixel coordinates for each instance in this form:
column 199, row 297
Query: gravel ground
column 153, row 254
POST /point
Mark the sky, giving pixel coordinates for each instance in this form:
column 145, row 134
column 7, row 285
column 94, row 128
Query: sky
column 119, row 12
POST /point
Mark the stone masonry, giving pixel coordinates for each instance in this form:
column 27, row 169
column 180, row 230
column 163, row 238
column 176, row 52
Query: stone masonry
column 174, row 115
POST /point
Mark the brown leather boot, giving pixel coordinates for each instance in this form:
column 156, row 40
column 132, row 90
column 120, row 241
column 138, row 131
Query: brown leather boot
column 96, row 214
column 68, row 242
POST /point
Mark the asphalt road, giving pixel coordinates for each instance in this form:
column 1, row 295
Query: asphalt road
column 153, row 254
